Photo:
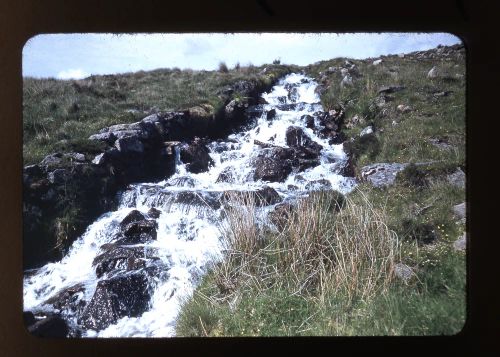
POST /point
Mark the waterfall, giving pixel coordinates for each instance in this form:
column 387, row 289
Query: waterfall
column 187, row 219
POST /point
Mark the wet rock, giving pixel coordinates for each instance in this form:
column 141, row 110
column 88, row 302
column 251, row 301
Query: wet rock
column 139, row 232
column 255, row 111
column 197, row 198
column 271, row 114
column 273, row 165
column 133, row 216
column 51, row 326
column 119, row 258
column 68, row 298
column 457, row 178
column 196, row 156
column 403, row 272
column 154, row 213
column 348, row 169
column 296, row 138
column 114, row 298
column 322, row 184
column 309, row 121
column 381, row 174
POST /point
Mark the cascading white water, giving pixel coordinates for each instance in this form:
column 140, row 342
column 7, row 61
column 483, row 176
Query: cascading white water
column 188, row 235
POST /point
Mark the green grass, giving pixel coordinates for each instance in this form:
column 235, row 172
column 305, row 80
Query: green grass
column 56, row 111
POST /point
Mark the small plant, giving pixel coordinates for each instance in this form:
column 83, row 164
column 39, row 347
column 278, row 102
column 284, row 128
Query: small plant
column 277, row 61
column 223, row 67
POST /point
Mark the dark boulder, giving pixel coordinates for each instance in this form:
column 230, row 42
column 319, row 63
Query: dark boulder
column 308, row 120
column 270, row 115
column 133, row 216
column 28, row 318
column 154, row 213
column 120, row 258
column 348, row 169
column 296, row 138
column 140, row 232
column 114, row 298
column 196, row 156
column 273, row 165
column 51, row 326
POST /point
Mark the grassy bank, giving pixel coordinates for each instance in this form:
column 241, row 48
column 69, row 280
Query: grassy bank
column 332, row 272
column 59, row 115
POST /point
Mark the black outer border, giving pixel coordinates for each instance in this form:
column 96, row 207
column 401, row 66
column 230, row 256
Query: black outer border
column 475, row 25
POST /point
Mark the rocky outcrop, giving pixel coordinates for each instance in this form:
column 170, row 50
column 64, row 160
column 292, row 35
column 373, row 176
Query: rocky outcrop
column 381, row 174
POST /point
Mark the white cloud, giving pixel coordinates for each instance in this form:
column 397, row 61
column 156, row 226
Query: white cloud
column 73, row 74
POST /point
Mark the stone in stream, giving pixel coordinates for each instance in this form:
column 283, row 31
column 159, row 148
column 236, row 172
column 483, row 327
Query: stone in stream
column 264, row 196
column 126, row 295
column 139, row 232
column 273, row 165
column 296, row 138
column 121, row 258
column 68, row 298
column 196, row 156
column 319, row 185
column 133, row 216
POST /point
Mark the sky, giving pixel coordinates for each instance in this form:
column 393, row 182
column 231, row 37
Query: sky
column 75, row 56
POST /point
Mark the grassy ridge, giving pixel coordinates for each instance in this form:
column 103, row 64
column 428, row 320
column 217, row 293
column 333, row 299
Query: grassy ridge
column 59, row 115
column 332, row 273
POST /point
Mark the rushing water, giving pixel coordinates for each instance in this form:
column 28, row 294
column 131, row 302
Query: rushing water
column 188, row 235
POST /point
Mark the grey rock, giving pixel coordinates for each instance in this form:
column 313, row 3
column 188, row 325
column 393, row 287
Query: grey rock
column 59, row 176
column 460, row 211
column 457, row 178
column 99, row 159
column 433, row 73
column 76, row 156
column 129, row 144
column 346, row 81
column 366, row 131
column 108, row 137
column 51, row 160
column 377, row 62
column 403, row 272
column 381, row 174
column 461, row 243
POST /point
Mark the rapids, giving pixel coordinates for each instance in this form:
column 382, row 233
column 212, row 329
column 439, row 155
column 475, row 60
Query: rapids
column 188, row 234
